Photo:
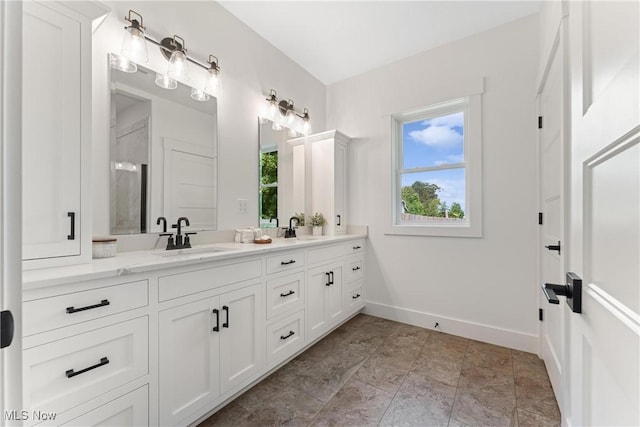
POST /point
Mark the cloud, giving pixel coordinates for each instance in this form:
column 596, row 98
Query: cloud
column 445, row 131
column 451, row 190
column 452, row 158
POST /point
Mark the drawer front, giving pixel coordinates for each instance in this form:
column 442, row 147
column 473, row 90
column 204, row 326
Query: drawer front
column 129, row 410
column 191, row 282
column 68, row 372
column 355, row 269
column 355, row 247
column 64, row 310
column 354, row 297
column 285, row 337
column 285, row 294
column 315, row 256
column 284, row 262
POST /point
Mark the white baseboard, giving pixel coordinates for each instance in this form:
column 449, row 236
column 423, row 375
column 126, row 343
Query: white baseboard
column 476, row 331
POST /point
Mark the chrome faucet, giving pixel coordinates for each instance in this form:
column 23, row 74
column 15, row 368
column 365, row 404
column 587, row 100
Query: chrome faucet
column 291, row 232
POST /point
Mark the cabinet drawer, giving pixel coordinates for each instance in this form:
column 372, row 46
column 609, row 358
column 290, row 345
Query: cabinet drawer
column 354, row 247
column 285, row 337
column 285, row 294
column 315, row 256
column 191, row 282
column 64, row 310
column 284, row 262
column 65, row 373
column 355, row 269
column 354, row 297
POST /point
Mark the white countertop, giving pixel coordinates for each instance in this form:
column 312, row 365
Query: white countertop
column 145, row 261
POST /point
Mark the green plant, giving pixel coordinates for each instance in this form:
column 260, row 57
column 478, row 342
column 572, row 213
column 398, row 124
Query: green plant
column 300, row 216
column 317, row 220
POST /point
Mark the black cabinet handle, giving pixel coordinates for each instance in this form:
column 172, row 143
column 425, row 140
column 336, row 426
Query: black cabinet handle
column 72, row 217
column 217, row 313
column 289, row 335
column 71, row 373
column 287, row 294
column 103, row 303
column 554, row 247
column 356, row 268
column 356, row 296
column 355, row 248
column 331, row 281
column 291, row 261
column 226, row 309
column 339, row 220
column 328, row 283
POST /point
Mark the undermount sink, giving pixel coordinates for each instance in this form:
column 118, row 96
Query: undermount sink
column 307, row 237
column 191, row 251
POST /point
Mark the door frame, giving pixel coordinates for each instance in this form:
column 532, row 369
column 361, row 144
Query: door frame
column 11, row 202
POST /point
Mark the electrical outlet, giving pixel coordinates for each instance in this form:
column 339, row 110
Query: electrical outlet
column 243, row 205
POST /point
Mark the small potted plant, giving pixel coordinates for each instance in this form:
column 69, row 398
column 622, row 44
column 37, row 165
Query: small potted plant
column 317, row 221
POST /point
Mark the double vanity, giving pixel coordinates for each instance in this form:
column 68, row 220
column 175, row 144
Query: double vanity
column 166, row 337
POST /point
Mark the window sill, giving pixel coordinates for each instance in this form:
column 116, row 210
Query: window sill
column 458, row 230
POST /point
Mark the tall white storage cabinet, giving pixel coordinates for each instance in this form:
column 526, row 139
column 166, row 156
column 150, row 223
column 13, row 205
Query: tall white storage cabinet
column 56, row 104
column 329, row 179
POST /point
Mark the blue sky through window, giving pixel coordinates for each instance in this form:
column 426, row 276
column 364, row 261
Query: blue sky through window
column 435, row 142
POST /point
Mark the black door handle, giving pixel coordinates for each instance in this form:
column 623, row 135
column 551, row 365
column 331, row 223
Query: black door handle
column 217, row 313
column 328, row 283
column 331, row 273
column 71, row 373
column 339, row 220
column 103, row 303
column 7, row 328
column 72, row 234
column 554, row 247
column 226, row 309
column 572, row 290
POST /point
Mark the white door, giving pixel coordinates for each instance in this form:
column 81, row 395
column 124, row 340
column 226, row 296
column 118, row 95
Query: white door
column 551, row 155
column 51, row 133
column 189, row 359
column 318, row 281
column 10, row 212
column 604, row 226
column 241, row 335
column 334, row 294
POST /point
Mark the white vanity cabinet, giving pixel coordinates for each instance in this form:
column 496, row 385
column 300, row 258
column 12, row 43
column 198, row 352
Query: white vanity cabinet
column 325, row 298
column 329, row 179
column 56, row 131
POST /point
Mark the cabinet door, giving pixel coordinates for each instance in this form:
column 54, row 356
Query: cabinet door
column 340, row 202
column 242, row 335
column 188, row 359
column 51, row 133
column 335, row 299
column 129, row 410
column 317, row 284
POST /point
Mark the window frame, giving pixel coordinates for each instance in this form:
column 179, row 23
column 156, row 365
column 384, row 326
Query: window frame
column 472, row 165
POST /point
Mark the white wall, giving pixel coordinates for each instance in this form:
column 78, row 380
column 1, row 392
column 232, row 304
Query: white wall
column 485, row 287
column 250, row 66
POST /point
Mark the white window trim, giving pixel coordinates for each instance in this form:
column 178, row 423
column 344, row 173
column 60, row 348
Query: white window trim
column 472, row 164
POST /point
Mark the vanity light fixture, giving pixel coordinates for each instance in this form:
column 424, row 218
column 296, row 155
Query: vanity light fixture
column 283, row 114
column 134, row 51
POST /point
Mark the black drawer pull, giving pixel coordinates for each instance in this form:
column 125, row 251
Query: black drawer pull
column 331, row 281
column 287, row 294
column 289, row 335
column 356, row 268
column 357, row 247
column 356, row 296
column 291, row 261
column 226, row 309
column 103, row 303
column 72, row 221
column 328, row 283
column 217, row 313
column 339, row 220
column 71, row 373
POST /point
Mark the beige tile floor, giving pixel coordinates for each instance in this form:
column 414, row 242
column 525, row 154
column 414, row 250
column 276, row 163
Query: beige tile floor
column 372, row 371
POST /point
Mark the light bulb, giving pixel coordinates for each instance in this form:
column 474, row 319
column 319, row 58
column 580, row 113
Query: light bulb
column 178, row 66
column 291, row 115
column 165, row 81
column 121, row 63
column 199, row 95
column 134, row 46
column 276, row 126
column 306, row 127
column 213, row 80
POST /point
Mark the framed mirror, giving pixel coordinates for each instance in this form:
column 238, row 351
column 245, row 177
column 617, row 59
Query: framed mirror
column 163, row 155
column 282, row 175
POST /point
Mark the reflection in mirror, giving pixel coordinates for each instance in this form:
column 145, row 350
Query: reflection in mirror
column 163, row 153
column 281, row 176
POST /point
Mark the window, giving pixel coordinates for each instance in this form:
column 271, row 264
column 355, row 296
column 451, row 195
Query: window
column 268, row 186
column 437, row 170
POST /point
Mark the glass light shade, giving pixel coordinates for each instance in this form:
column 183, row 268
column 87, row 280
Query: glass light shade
column 212, row 82
column 165, row 81
column 121, row 63
column 178, row 66
column 276, row 126
column 306, row 127
column 290, row 118
column 134, row 46
column 199, row 95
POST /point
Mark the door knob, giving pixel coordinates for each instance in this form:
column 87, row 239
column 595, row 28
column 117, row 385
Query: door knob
column 554, row 247
column 572, row 290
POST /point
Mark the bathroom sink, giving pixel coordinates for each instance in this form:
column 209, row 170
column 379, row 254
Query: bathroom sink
column 311, row 237
column 191, row 251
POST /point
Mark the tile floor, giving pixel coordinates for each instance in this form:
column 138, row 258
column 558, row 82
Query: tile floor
column 373, row 371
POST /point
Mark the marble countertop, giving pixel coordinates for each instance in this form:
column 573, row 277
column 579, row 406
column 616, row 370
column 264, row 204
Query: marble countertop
column 152, row 260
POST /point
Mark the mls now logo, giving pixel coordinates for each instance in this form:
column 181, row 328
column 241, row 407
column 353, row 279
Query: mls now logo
column 15, row 415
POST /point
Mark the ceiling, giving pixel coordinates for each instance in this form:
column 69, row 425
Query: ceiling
column 335, row 40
